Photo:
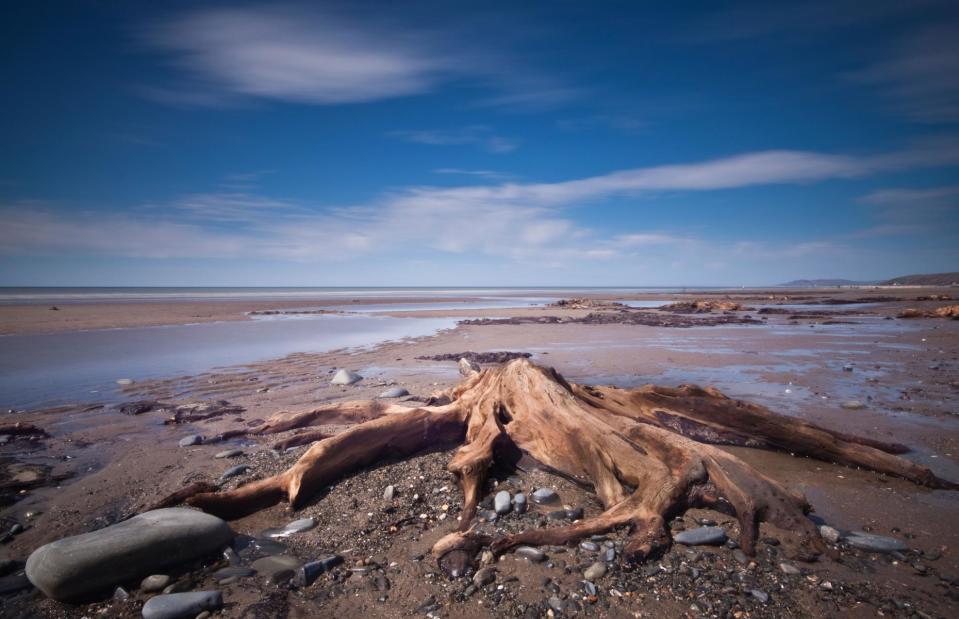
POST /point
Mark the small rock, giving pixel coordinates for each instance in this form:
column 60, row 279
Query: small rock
column 389, row 493
column 703, row 536
column 595, row 571
column 555, row 603
column 229, row 453
column 193, row 439
column 395, row 392
column 519, row 503
column 121, row 595
column 276, row 568
column 501, row 502
column 789, row 569
column 484, row 577
column 762, row 596
column 588, row 587
column 306, row 575
column 529, row 553
column 234, row 572
column 609, row 555
column 468, row 368
column 233, row 471
column 829, row 533
column 847, row 368
column 182, row 605
column 740, row 556
column 345, row 377
column 297, row 526
column 156, row 582
column 852, row 405
column 543, row 496
column 124, row 381
column 874, row 543
column 575, row 513
column 589, row 546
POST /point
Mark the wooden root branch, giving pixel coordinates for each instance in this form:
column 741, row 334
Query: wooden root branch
column 647, row 453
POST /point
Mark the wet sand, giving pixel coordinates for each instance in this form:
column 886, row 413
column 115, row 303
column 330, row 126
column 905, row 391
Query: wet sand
column 902, row 370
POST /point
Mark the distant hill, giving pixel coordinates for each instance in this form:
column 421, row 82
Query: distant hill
column 822, row 283
column 926, row 279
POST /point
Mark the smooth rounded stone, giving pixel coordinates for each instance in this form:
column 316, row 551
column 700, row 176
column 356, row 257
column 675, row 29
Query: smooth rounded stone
column 234, row 571
column 588, row 587
column 306, row 575
column 182, row 605
column 519, row 503
column 88, row 563
column 389, row 493
column 233, row 471
column 502, row 502
column 121, row 595
column 874, row 543
column 345, row 377
column 484, row 576
column 830, row 534
column 575, row 513
column 395, row 392
column 609, row 555
column 762, row 596
column 740, row 556
column 229, row 453
column 789, row 569
column 156, row 582
column 555, row 603
column 543, row 496
column 531, row 554
column 852, row 405
column 297, row 526
column 595, row 571
column 702, row 536
column 589, row 546
column 191, row 440
column 277, row 566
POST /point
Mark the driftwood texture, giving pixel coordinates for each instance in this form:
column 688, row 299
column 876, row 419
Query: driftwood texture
column 647, row 453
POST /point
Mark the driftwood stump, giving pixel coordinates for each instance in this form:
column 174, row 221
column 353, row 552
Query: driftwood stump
column 647, row 453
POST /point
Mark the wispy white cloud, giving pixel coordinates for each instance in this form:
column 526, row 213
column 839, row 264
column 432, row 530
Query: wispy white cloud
column 480, row 136
column 909, row 196
column 491, row 175
column 919, row 75
column 352, row 54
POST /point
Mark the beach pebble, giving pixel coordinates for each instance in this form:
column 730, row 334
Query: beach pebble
column 233, row 471
column 702, row 536
column 309, row 572
column 193, row 439
column 609, row 555
column 589, row 546
column 389, row 493
column 574, row 513
column 345, row 377
column 395, row 392
column 229, row 453
column 595, row 571
column 124, row 381
column 541, row 496
column 529, row 553
column 156, row 582
column 519, row 503
column 91, row 562
column 277, row 568
column 789, row 569
column 874, row 543
column 182, row 605
column 852, row 405
column 502, row 502
column 829, row 534
column 760, row 595
column 297, row 526
column 484, row 576
column 234, row 572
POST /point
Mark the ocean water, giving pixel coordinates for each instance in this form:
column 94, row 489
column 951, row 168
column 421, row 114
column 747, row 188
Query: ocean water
column 11, row 295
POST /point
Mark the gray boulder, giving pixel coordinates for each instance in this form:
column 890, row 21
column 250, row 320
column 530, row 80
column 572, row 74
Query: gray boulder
column 182, row 605
column 345, row 377
column 129, row 550
column 703, row 536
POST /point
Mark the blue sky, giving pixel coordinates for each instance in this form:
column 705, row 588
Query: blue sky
column 564, row 143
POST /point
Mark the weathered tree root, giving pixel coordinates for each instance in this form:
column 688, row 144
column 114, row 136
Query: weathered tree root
column 645, row 453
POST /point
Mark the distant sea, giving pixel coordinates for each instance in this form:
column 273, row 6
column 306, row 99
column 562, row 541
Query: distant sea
column 12, row 295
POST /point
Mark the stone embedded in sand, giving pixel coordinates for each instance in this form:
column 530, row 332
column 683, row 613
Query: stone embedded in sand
column 484, row 576
column 853, row 405
column 297, row 526
column 345, row 377
column 277, row 568
column 229, row 453
column 529, row 553
column 91, row 562
column 182, row 605
column 156, row 582
column 389, row 493
column 193, row 439
column 703, row 536
column 542, row 496
column 501, row 502
column 595, row 571
column 519, row 503
column 395, row 392
column 874, row 543
column 233, row 471
column 829, row 533
column 306, row 575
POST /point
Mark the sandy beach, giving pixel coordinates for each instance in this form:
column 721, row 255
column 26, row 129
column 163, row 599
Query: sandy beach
column 99, row 465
